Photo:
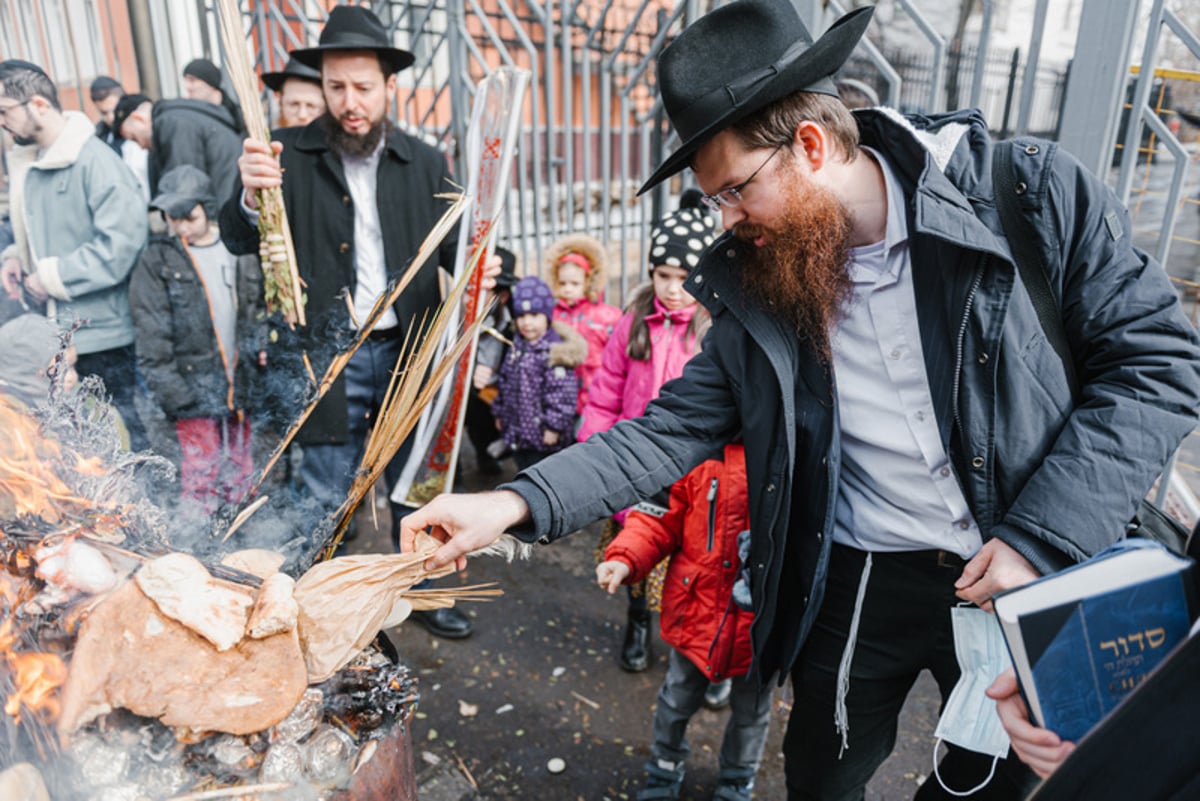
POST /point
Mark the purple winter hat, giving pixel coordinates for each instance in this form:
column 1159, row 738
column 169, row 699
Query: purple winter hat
column 532, row 296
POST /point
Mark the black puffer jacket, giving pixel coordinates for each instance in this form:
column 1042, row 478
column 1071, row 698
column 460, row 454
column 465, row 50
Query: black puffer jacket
column 321, row 216
column 197, row 133
column 177, row 348
column 1054, row 477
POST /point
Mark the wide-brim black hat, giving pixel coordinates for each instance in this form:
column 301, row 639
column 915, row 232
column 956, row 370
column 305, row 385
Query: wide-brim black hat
column 293, row 69
column 740, row 58
column 355, row 28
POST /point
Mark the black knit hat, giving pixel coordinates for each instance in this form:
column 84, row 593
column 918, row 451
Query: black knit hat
column 680, row 238
column 126, row 106
column 204, row 70
column 355, row 28
column 740, row 58
column 293, row 69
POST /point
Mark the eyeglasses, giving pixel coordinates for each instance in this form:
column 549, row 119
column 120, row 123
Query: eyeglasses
column 731, row 198
column 4, row 111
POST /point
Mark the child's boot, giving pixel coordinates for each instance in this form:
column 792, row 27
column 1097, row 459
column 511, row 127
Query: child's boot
column 734, row 784
column 664, row 781
column 635, row 653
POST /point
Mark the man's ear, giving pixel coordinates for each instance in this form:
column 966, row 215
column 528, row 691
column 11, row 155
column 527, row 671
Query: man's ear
column 810, row 140
column 391, row 85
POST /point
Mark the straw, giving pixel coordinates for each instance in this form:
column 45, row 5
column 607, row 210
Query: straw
column 281, row 276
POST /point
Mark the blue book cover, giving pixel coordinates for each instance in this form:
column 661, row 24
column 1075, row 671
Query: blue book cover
column 1087, row 655
column 1084, row 638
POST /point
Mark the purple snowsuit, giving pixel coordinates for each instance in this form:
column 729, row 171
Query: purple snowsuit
column 535, row 396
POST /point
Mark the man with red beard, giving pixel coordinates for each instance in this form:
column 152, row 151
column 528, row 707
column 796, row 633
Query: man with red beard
column 360, row 197
column 912, row 438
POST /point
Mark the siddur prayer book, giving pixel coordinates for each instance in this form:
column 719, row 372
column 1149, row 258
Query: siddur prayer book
column 1084, row 638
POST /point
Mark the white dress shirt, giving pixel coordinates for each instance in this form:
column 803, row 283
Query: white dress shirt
column 370, row 269
column 898, row 491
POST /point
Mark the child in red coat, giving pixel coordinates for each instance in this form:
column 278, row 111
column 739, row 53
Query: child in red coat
column 705, row 619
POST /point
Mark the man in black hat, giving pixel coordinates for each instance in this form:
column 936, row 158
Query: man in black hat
column 360, row 198
column 298, row 91
column 956, row 454
column 203, row 82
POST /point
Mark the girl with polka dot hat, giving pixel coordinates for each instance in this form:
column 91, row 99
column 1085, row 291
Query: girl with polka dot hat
column 660, row 331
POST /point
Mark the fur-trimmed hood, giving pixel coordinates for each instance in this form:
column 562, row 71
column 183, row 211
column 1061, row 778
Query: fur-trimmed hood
column 590, row 248
column 573, row 349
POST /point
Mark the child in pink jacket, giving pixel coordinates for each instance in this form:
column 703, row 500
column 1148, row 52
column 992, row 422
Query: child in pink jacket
column 576, row 272
column 660, row 331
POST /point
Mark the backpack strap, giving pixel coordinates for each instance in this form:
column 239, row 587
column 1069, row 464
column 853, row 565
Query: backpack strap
column 1031, row 268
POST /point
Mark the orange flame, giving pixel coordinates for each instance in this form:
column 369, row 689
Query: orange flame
column 29, row 482
column 36, row 678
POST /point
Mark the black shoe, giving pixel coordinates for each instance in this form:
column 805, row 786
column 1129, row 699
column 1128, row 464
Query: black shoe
column 717, row 695
column 635, row 653
column 448, row 623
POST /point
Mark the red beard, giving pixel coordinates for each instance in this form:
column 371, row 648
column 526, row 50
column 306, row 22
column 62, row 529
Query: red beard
column 800, row 273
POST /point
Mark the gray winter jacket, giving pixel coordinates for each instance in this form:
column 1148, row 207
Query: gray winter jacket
column 1056, row 478
column 81, row 223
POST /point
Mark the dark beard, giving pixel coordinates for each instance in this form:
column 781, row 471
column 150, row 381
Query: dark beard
column 800, row 274
column 352, row 145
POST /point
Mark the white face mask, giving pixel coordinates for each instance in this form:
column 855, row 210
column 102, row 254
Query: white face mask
column 969, row 719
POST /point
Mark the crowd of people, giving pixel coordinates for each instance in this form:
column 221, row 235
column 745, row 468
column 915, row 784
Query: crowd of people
column 784, row 523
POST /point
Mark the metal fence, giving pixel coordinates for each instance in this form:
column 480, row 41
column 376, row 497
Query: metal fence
column 1002, row 73
column 594, row 126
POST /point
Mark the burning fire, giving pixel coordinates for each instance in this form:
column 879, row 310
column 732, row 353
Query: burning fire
column 29, row 483
column 36, row 678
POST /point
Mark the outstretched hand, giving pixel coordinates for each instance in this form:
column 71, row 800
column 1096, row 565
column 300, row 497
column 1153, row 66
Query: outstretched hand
column 1041, row 749
column 464, row 523
column 611, row 574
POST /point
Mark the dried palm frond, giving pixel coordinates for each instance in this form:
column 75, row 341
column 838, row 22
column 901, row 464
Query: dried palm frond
column 413, row 385
column 385, row 301
column 378, row 588
column 282, row 290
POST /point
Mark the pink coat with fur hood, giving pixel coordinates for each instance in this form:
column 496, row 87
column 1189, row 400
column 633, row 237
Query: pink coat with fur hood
column 624, row 386
column 590, row 316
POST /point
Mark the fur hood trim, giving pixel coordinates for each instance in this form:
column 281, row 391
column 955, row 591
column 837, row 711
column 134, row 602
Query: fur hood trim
column 590, row 248
column 573, row 349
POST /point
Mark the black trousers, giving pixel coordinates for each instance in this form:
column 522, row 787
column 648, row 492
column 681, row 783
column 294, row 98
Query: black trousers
column 904, row 629
column 117, row 369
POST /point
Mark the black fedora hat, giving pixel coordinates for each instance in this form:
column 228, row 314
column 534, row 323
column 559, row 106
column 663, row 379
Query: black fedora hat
column 293, row 69
column 355, row 28
column 740, row 58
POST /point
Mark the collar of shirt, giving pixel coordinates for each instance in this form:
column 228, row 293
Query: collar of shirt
column 872, row 263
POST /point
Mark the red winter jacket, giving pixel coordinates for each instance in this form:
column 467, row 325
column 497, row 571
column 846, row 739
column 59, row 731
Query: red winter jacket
column 699, row 532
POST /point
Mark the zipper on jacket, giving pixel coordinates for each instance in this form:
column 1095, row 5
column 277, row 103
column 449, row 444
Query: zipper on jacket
column 712, row 511
column 962, row 333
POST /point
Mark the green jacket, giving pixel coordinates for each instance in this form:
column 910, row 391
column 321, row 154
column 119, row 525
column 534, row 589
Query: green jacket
column 81, row 224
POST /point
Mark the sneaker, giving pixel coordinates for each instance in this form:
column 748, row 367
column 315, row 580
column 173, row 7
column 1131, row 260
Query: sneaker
column 717, row 695
column 734, row 785
column 664, row 781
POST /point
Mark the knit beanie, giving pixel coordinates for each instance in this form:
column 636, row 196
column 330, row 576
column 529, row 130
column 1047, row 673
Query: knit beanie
column 205, row 70
column 28, row 343
column 680, row 238
column 531, row 295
